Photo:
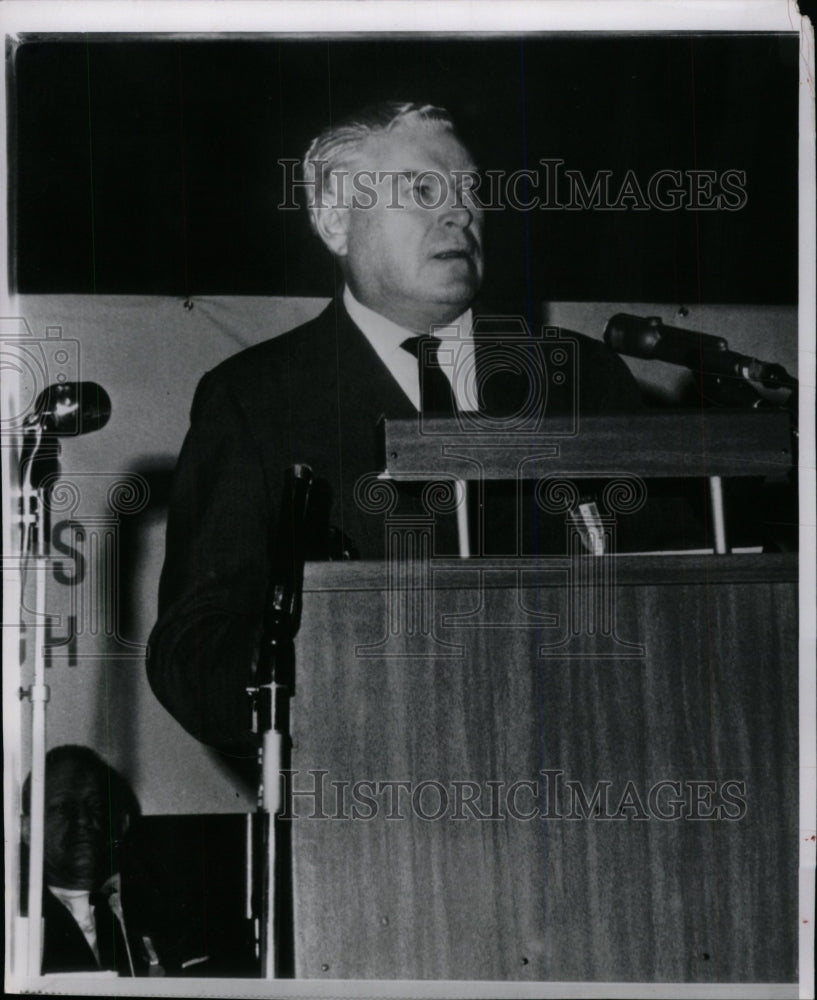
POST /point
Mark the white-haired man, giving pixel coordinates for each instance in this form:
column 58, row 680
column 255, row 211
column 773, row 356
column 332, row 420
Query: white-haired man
column 391, row 197
column 392, row 206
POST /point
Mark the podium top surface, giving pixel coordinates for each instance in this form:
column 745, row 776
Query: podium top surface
column 682, row 444
column 671, row 569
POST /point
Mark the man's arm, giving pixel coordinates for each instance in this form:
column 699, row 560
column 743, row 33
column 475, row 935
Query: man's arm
column 214, row 578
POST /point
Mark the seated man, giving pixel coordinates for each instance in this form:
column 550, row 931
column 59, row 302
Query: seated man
column 410, row 251
column 89, row 808
column 111, row 900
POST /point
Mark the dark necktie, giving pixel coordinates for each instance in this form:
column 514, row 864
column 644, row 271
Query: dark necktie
column 436, row 395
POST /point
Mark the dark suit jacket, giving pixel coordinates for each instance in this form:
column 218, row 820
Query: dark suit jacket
column 175, row 934
column 312, row 395
column 65, row 948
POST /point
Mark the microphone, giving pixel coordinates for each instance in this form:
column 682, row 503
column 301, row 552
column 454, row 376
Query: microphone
column 275, row 663
column 647, row 337
column 67, row 409
column 64, row 409
column 283, row 610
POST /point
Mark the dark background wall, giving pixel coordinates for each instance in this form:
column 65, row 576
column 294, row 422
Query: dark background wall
column 150, row 165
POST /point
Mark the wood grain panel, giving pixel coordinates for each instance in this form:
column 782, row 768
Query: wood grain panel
column 693, row 443
column 713, row 698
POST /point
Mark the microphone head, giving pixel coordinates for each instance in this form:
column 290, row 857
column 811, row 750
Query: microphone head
column 634, row 335
column 67, row 409
column 647, row 337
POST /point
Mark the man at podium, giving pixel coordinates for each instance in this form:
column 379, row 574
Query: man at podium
column 391, row 195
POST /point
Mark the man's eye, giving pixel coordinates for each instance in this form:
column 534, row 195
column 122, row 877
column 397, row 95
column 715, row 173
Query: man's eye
column 427, row 193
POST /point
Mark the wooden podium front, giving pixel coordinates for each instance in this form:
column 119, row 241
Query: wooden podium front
column 592, row 789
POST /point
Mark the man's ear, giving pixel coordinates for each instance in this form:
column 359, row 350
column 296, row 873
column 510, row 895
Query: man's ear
column 332, row 225
column 124, row 824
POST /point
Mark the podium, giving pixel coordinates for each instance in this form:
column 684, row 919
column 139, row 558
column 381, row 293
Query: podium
column 491, row 787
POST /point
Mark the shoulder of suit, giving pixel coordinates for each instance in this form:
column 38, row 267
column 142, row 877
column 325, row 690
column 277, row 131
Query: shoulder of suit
column 490, row 318
column 262, row 360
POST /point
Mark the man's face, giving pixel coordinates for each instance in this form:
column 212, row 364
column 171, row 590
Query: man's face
column 415, row 255
column 77, row 827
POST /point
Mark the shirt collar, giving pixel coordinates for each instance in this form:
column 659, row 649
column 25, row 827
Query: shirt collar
column 77, row 901
column 378, row 327
column 61, row 893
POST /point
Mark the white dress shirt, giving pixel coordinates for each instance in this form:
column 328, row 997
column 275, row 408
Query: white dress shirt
column 456, row 353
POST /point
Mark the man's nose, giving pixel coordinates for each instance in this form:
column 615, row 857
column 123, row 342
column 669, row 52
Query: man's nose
column 87, row 816
column 457, row 214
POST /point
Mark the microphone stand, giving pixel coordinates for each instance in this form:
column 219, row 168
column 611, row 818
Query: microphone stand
column 64, row 408
column 34, row 549
column 272, row 684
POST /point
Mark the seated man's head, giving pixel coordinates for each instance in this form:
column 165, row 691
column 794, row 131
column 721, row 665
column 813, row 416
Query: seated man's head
column 392, row 204
column 88, row 809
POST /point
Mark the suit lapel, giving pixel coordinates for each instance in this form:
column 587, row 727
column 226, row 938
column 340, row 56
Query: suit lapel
column 364, row 381
column 349, row 389
column 107, row 939
column 505, row 388
column 65, row 948
column 542, row 379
